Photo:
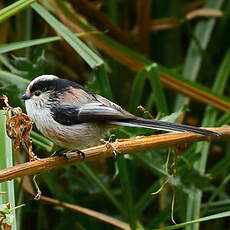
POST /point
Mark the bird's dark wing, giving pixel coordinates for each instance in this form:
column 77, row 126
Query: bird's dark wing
column 103, row 110
column 70, row 114
column 110, row 104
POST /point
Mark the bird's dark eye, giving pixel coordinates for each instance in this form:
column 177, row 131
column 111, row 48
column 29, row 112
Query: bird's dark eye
column 37, row 93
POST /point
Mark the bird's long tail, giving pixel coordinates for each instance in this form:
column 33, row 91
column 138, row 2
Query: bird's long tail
column 163, row 125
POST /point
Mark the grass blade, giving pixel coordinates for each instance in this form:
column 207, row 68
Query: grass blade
column 195, row 90
column 198, row 45
column 151, row 166
column 194, row 201
column 14, row 8
column 223, row 74
column 90, row 174
column 103, row 82
column 183, row 85
column 41, row 141
column 6, row 161
column 158, row 91
column 14, row 79
column 217, row 206
column 87, row 54
column 207, row 218
column 217, row 191
column 225, row 119
column 146, row 199
column 4, row 48
column 137, row 90
column 126, row 188
column 135, row 61
column 202, row 32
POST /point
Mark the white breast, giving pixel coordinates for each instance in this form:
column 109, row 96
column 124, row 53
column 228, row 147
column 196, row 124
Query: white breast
column 72, row 137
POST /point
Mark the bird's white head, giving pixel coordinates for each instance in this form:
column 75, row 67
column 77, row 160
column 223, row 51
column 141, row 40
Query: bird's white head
column 38, row 93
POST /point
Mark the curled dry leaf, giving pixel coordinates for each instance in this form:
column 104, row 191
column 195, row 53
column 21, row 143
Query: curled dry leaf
column 4, row 225
column 18, row 128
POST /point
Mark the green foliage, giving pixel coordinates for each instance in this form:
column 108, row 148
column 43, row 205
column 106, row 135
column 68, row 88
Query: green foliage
column 14, row 8
column 7, row 199
column 87, row 54
column 193, row 59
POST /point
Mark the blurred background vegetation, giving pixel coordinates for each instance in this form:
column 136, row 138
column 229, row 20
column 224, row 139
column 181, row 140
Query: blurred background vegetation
column 171, row 57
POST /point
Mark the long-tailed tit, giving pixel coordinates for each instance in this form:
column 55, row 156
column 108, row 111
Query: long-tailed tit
column 74, row 117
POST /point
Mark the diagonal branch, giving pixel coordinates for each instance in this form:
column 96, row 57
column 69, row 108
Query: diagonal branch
column 76, row 208
column 89, row 212
column 121, row 146
column 27, row 186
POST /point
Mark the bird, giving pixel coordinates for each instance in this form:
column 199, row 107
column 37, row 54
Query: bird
column 73, row 117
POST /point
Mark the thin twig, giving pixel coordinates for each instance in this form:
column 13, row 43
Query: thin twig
column 122, row 146
column 172, row 206
column 38, row 191
column 172, row 23
column 205, row 12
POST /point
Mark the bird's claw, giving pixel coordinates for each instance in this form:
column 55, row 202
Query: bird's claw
column 65, row 154
column 109, row 146
column 81, row 154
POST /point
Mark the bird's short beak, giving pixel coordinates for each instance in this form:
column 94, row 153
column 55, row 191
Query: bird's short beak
column 25, row 97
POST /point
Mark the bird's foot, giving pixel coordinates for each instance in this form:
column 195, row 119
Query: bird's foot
column 65, row 154
column 109, row 146
column 80, row 153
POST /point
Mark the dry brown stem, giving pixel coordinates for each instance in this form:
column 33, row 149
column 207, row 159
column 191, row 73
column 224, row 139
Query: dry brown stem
column 89, row 212
column 135, row 65
column 171, row 23
column 205, row 12
column 27, row 186
column 121, row 146
column 143, row 12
